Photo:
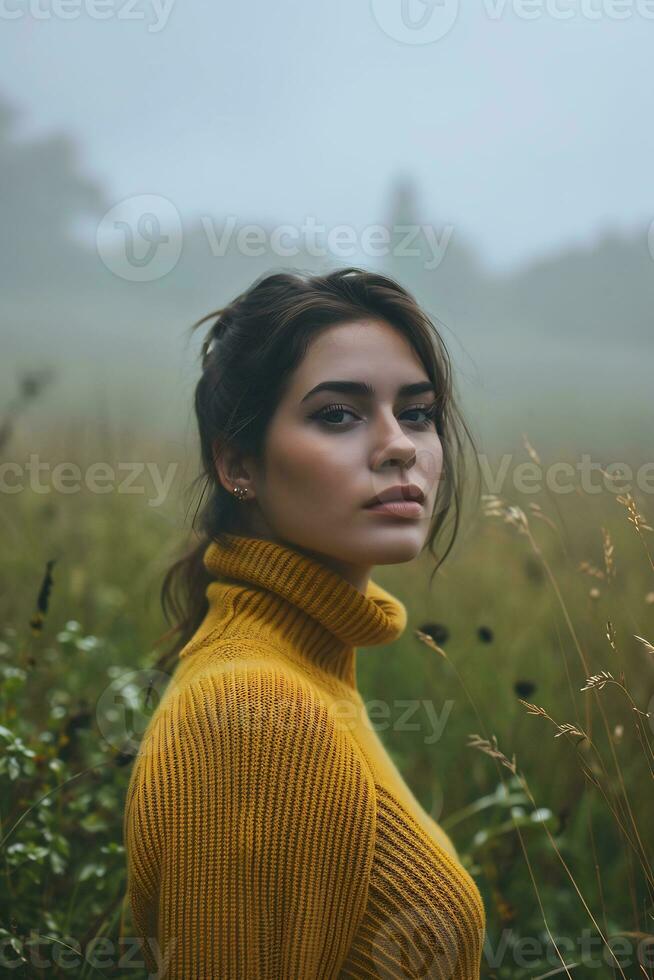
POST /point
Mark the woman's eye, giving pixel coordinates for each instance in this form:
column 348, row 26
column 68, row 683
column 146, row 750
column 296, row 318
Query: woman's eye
column 428, row 412
column 332, row 410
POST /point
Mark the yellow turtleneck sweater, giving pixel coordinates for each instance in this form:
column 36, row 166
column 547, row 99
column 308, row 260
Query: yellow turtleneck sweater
column 269, row 835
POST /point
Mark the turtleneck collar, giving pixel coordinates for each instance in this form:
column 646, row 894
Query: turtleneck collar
column 296, row 602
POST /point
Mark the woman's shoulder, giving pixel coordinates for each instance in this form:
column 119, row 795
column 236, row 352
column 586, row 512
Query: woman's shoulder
column 243, row 663
column 251, row 724
column 244, row 693
column 238, row 670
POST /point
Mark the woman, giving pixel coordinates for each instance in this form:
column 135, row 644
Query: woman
column 268, row 832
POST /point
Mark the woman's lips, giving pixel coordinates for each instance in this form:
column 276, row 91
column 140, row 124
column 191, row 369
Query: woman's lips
column 397, row 508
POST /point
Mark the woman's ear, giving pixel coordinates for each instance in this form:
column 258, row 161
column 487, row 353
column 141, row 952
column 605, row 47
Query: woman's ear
column 233, row 470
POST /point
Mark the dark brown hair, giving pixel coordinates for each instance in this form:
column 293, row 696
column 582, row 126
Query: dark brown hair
column 254, row 345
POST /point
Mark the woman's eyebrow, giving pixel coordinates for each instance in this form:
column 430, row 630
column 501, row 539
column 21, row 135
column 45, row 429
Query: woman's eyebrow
column 367, row 390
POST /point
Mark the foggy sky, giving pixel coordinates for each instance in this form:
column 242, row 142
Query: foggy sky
column 524, row 134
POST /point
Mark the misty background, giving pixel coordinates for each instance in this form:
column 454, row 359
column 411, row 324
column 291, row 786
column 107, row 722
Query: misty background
column 524, row 146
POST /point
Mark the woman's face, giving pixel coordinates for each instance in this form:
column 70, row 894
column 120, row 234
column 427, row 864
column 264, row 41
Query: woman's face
column 329, row 451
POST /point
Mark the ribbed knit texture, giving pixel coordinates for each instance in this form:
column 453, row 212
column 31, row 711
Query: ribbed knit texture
column 269, row 834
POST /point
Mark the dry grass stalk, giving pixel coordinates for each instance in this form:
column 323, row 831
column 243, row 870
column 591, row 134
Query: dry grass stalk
column 569, row 729
column 494, row 506
column 430, row 642
column 535, row 709
column 537, row 511
column 648, row 646
column 485, row 746
column 516, row 517
column 609, row 561
column 634, row 517
column 533, row 455
column 597, row 681
column 565, row 729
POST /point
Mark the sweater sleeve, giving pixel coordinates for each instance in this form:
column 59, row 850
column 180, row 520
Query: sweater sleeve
column 249, row 830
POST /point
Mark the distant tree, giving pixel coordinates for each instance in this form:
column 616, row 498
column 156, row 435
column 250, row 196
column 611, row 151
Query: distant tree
column 44, row 193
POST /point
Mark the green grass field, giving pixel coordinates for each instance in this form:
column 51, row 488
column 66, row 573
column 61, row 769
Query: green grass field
column 554, row 822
